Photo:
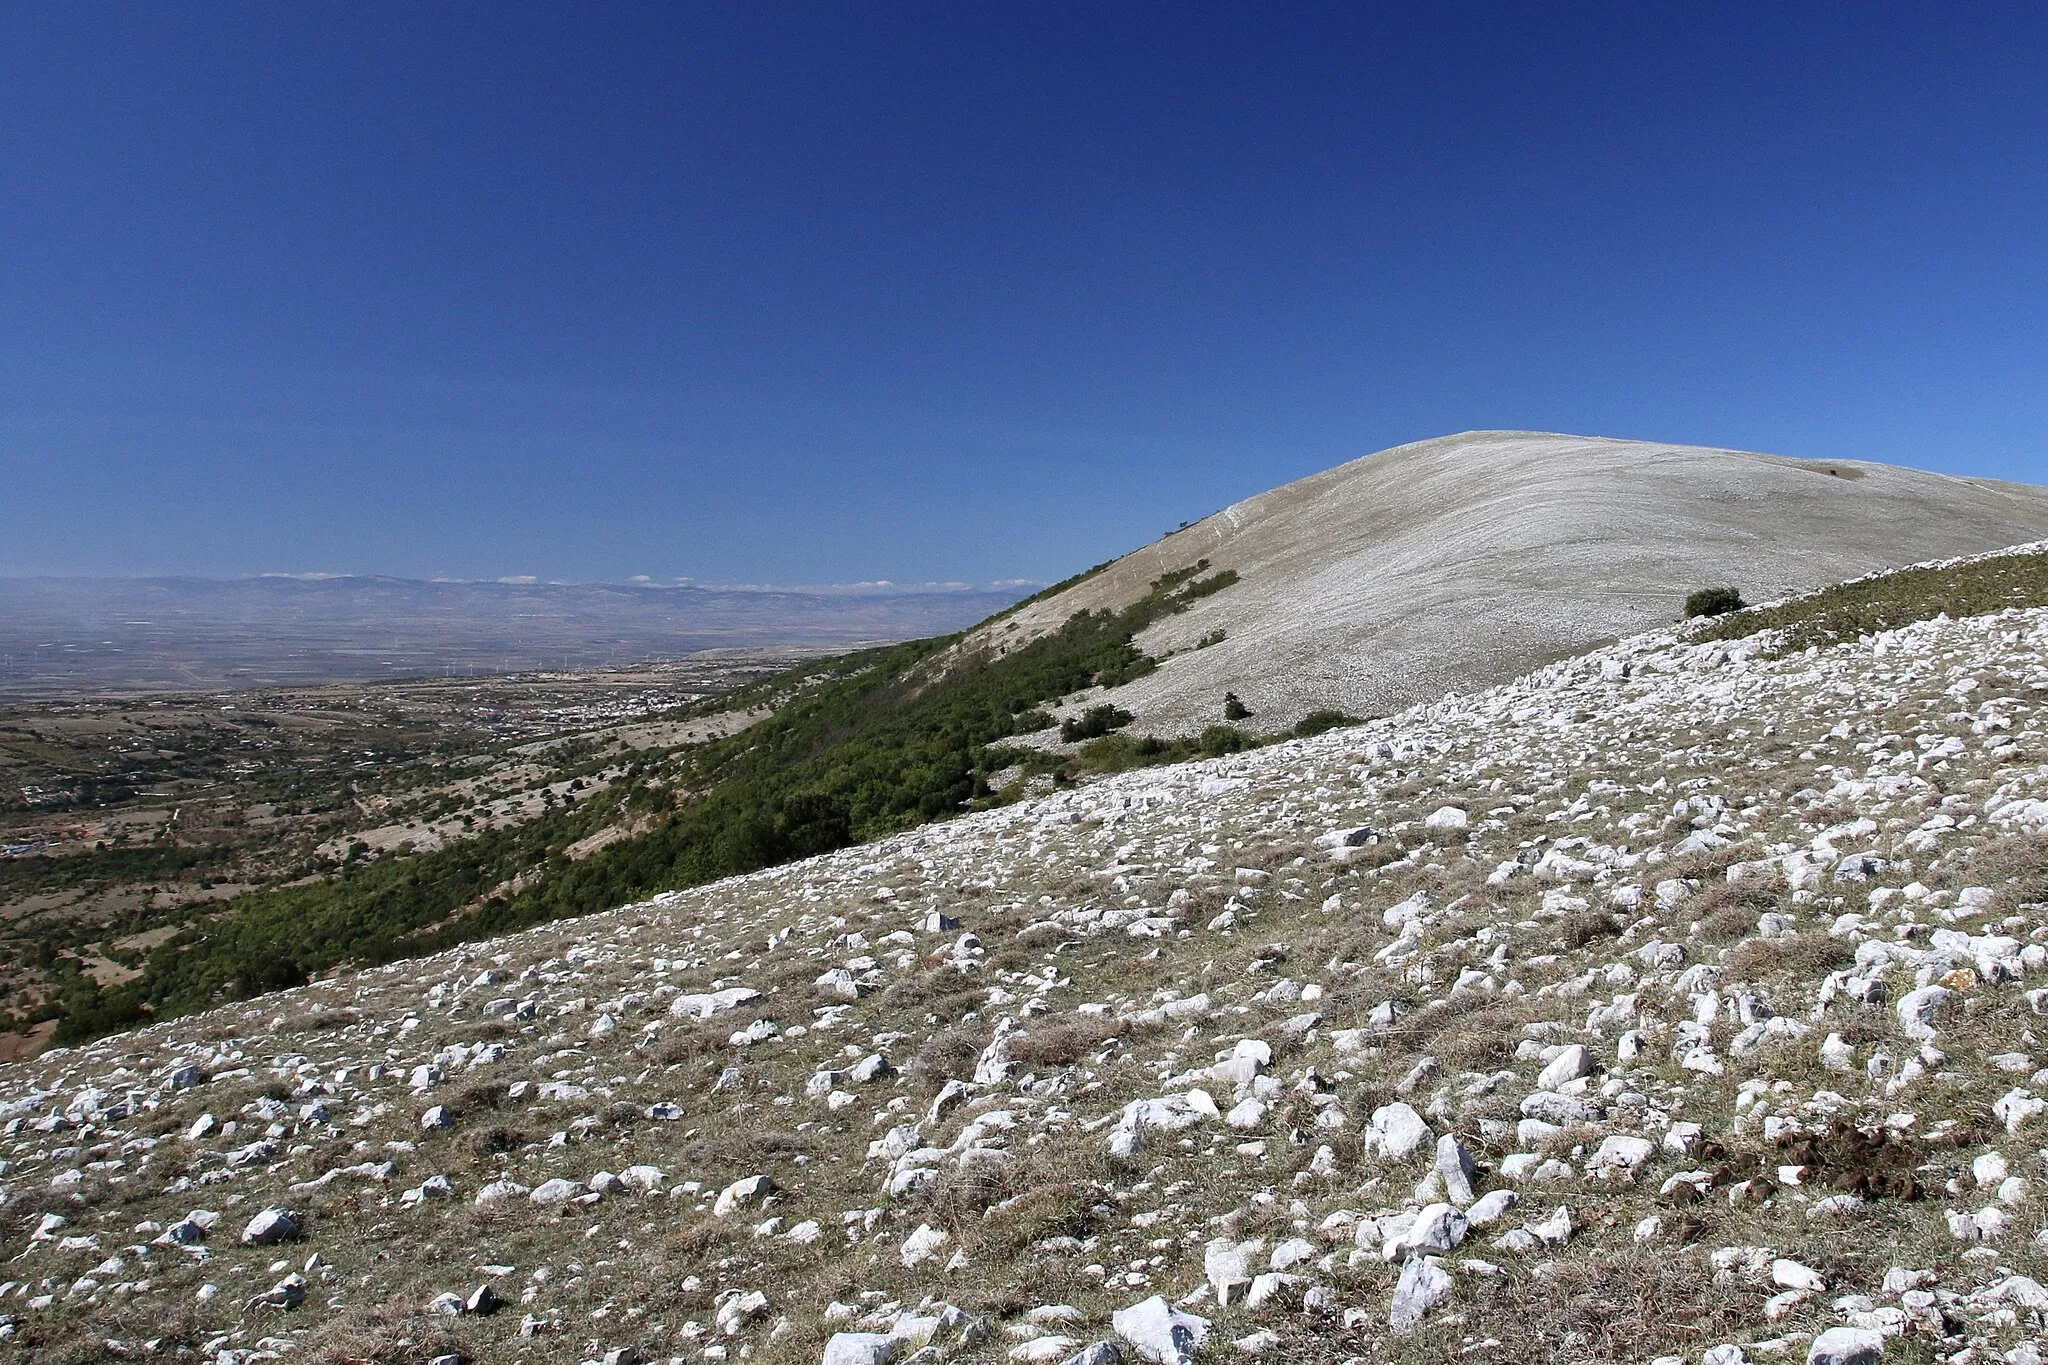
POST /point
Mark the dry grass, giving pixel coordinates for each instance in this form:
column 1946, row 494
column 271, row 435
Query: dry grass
column 1068, row 1208
column 1482, row 1039
column 942, row 991
column 1809, row 955
column 695, row 1040
column 1063, row 1043
column 1628, row 1304
column 2015, row 866
column 947, row 1054
column 385, row 1334
column 1587, row 927
column 1729, row 912
column 25, row 1208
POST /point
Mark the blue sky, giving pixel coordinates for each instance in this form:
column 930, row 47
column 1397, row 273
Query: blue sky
column 819, row 293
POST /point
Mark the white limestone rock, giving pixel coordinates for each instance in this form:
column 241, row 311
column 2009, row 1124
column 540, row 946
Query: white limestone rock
column 1159, row 1332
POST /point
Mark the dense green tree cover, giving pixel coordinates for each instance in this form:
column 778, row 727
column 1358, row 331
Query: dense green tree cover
column 130, row 862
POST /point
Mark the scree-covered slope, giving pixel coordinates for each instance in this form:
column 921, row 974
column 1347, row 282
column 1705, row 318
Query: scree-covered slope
column 1681, row 1002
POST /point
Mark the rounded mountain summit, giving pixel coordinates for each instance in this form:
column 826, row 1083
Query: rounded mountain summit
column 1452, row 564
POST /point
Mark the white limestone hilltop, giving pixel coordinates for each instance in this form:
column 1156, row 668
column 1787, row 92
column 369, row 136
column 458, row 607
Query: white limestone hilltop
column 1456, row 563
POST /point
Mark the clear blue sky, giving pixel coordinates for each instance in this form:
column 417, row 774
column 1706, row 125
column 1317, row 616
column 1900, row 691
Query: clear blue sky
column 811, row 293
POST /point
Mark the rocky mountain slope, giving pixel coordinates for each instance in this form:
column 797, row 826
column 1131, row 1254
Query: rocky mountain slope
column 1456, row 563
column 1677, row 1002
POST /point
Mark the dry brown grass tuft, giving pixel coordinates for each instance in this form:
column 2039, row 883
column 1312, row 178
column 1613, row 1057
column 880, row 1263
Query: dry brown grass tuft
column 962, row 1194
column 695, row 1040
column 384, row 1334
column 1482, row 1039
column 1728, row 912
column 320, row 1018
column 947, row 1054
column 942, row 991
column 1587, row 927
column 1623, row 1304
column 1807, row 955
column 478, row 1097
column 481, row 1144
column 2016, row 867
column 1063, row 1043
column 25, row 1208
column 1064, row 1209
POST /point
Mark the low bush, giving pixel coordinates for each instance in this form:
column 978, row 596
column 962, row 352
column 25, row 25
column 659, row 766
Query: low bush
column 1713, row 602
column 1094, row 723
column 1218, row 740
column 1321, row 722
column 1810, row 954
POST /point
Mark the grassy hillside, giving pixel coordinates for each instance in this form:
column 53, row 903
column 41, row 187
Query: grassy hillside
column 869, row 744
column 1865, row 606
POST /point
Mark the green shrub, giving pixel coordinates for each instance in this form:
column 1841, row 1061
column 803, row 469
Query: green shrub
column 1218, row 740
column 1318, row 722
column 1713, row 602
column 1119, row 674
column 1215, row 582
column 1094, row 723
column 1119, row 753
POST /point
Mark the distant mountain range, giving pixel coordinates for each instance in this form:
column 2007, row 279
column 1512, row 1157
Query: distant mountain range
column 134, row 634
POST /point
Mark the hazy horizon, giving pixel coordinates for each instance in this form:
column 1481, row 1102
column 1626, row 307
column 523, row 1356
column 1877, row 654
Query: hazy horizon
column 96, row 635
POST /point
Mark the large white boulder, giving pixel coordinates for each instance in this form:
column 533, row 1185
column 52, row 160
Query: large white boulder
column 1846, row 1346
column 270, row 1226
column 1422, row 1286
column 860, row 1348
column 704, row 1004
column 1396, row 1132
column 742, row 1194
column 1570, row 1064
column 1160, row 1332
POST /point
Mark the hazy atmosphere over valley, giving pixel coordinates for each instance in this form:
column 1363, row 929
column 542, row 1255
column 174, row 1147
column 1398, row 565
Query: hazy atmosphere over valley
column 1119, row 685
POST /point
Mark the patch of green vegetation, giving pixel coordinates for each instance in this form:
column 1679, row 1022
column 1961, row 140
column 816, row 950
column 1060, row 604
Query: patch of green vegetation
column 1043, row 593
column 1094, row 723
column 1214, row 583
column 1850, row 610
column 1713, row 602
column 861, row 746
column 161, row 862
column 370, row 912
column 1320, row 722
column 1120, row 753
